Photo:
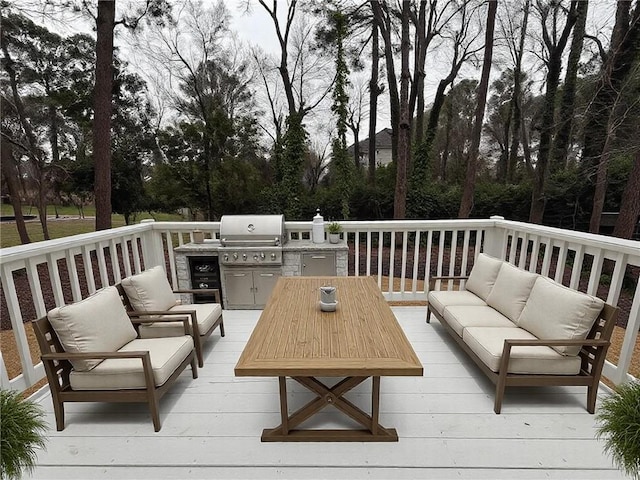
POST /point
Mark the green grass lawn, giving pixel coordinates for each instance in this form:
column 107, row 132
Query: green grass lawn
column 64, row 227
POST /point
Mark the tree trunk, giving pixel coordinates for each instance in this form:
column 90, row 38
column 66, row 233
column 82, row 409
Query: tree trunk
column 614, row 70
column 404, row 126
column 35, row 153
column 567, row 103
column 102, row 100
column 630, row 205
column 466, row 203
column 516, row 100
column 11, row 176
column 416, row 94
column 554, row 66
column 374, row 92
column 384, row 23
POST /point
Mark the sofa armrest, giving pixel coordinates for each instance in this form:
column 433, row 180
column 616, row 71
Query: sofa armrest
column 167, row 316
column 508, row 343
column 211, row 291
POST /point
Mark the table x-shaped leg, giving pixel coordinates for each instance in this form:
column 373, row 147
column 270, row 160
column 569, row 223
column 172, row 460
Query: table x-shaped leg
column 372, row 432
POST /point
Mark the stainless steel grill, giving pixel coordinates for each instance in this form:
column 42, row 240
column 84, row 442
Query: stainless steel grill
column 251, row 240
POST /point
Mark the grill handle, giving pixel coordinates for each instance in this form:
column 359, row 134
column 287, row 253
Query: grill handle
column 226, row 242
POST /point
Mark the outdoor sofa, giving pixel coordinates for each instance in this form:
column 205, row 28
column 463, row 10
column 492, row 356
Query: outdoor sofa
column 524, row 329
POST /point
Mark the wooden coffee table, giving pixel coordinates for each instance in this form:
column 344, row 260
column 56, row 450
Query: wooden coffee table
column 361, row 339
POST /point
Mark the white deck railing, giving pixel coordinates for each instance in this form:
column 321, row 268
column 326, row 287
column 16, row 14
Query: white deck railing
column 40, row 276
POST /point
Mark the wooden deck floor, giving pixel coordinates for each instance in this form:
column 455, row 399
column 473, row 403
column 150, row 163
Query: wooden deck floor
column 211, row 426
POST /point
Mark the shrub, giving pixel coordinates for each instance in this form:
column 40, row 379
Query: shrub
column 619, row 418
column 22, row 431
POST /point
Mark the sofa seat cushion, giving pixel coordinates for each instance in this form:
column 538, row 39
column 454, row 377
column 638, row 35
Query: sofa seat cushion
column 511, row 291
column 488, row 343
column 483, row 275
column 149, row 290
column 554, row 311
column 99, row 323
column 460, row 317
column 206, row 315
column 439, row 300
column 115, row 374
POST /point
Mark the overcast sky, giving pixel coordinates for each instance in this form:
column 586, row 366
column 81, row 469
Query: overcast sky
column 256, row 28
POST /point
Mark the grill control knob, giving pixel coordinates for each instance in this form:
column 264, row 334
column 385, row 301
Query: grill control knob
column 273, row 256
column 226, row 257
column 255, row 257
column 261, row 255
column 235, row 256
column 244, row 257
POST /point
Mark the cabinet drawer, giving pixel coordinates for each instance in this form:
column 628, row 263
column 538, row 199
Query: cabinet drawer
column 320, row 264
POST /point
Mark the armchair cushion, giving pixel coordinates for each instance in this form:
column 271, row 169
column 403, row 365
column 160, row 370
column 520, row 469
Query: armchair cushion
column 149, row 290
column 511, row 291
column 488, row 342
column 483, row 275
column 166, row 355
column 554, row 311
column 99, row 323
column 206, row 315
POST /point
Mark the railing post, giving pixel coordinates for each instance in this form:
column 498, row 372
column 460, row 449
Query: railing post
column 494, row 240
column 152, row 250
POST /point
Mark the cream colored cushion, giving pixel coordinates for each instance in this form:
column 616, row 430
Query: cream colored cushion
column 98, row 323
column 488, row 343
column 555, row 312
column 483, row 275
column 149, row 290
column 511, row 291
column 439, row 300
column 206, row 316
column 166, row 355
column 460, row 317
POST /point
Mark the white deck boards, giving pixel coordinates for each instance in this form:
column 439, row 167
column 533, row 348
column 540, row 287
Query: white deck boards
column 211, row 426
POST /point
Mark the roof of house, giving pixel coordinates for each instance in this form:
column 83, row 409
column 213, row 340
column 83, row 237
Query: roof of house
column 383, row 141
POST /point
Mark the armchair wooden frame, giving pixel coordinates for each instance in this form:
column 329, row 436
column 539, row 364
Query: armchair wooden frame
column 58, row 367
column 198, row 336
column 593, row 354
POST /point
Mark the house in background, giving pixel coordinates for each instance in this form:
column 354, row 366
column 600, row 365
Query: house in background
column 383, row 149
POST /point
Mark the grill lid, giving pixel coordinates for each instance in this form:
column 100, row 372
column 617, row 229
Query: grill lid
column 252, row 230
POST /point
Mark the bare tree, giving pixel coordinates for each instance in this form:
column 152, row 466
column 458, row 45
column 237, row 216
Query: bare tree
column 630, row 206
column 567, row 102
column 374, row 92
column 481, row 100
column 517, row 53
column 461, row 32
column 619, row 115
column 554, row 38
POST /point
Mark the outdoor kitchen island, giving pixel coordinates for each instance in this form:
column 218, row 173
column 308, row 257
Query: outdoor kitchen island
column 247, row 283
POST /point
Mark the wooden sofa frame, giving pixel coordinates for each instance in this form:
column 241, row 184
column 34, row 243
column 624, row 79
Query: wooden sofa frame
column 58, row 367
column 198, row 337
column 593, row 354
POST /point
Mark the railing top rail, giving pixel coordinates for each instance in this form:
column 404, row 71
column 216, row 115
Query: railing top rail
column 21, row 252
column 629, row 247
column 353, row 225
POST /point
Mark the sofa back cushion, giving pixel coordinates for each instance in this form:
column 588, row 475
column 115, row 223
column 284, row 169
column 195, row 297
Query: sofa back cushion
column 483, row 275
column 554, row 311
column 149, row 290
column 511, row 291
column 98, row 323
